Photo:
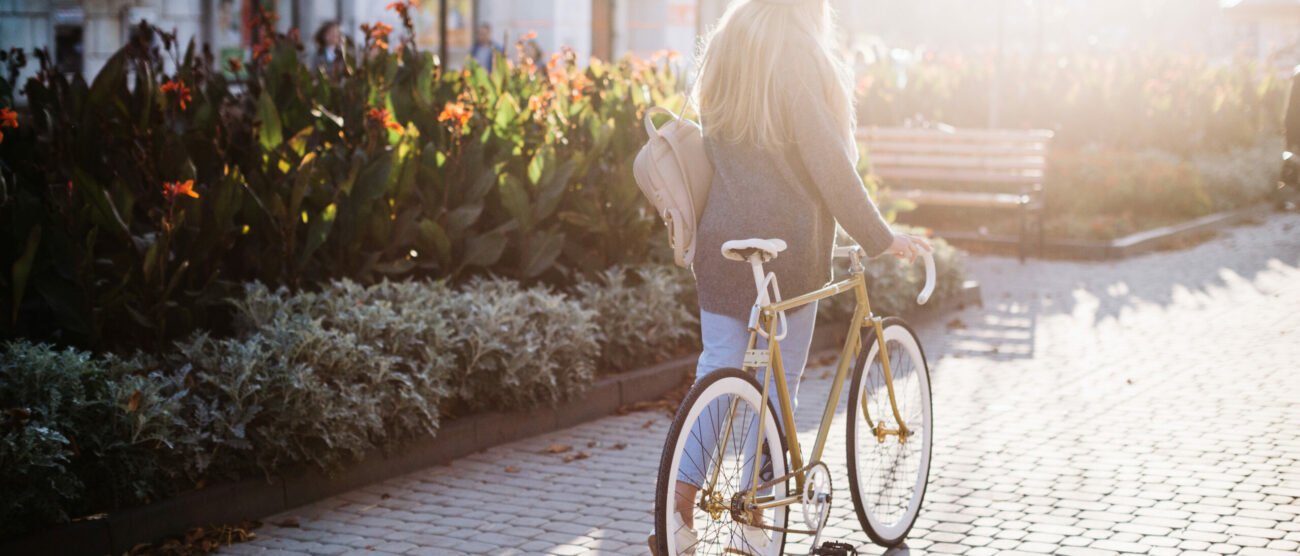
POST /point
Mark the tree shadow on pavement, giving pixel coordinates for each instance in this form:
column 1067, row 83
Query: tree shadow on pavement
column 1244, row 254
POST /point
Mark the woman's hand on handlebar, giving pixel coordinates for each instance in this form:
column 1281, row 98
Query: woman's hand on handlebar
column 908, row 247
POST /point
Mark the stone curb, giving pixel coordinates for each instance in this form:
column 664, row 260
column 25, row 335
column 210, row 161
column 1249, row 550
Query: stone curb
column 1120, row 248
column 232, row 502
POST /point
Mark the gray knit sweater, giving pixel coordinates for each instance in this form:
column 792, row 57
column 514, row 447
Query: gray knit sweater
column 797, row 196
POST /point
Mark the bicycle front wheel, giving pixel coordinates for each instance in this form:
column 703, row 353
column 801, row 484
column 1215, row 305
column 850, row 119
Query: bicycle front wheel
column 887, row 477
column 709, row 458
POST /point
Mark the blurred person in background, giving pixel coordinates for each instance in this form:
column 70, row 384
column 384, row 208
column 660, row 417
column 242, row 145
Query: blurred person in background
column 484, row 49
column 533, row 52
column 328, row 54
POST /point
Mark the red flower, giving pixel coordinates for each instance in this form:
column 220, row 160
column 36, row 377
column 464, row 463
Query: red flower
column 173, row 189
column 262, row 50
column 182, row 92
column 235, row 65
column 457, row 112
column 385, row 119
column 529, row 36
column 8, row 118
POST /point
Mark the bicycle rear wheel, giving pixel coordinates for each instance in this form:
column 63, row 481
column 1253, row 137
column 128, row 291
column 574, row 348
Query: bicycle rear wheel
column 887, row 478
column 706, row 436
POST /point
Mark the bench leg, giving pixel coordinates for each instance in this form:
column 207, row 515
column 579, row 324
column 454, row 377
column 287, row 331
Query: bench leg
column 1042, row 242
column 1024, row 231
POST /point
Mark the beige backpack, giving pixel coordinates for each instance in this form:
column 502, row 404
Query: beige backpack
column 674, row 172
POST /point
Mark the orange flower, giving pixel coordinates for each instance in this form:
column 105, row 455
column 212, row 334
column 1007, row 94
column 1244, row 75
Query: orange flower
column 235, row 65
column 182, row 92
column 529, row 36
column 384, row 118
column 536, row 103
column 173, row 189
column 581, row 82
column 456, row 112
column 380, row 30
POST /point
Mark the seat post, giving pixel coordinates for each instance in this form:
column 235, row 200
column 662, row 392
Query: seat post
column 756, row 263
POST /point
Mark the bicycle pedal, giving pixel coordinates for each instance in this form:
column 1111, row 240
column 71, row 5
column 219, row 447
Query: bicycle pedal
column 830, row 548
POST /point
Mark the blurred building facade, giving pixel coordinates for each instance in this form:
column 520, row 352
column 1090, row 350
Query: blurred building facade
column 82, row 34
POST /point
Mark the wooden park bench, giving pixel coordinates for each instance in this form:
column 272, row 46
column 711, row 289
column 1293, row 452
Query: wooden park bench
column 984, row 168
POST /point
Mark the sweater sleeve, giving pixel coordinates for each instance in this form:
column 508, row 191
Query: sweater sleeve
column 817, row 139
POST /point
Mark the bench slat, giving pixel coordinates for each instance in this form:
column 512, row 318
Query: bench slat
column 960, row 198
column 1025, row 177
column 982, row 135
column 880, row 160
column 1038, row 149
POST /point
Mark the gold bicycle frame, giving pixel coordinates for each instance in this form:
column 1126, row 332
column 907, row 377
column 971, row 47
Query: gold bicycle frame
column 862, row 317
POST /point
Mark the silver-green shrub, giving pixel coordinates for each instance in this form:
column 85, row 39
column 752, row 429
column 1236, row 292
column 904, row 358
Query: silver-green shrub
column 520, row 347
column 79, row 433
column 644, row 314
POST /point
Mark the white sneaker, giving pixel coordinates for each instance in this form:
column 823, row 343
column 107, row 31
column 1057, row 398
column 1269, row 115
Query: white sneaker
column 686, row 538
column 749, row 540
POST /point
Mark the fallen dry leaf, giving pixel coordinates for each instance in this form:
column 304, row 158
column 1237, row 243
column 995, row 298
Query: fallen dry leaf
column 134, row 403
column 618, row 446
column 512, row 469
column 648, row 423
column 577, row 456
column 956, row 323
column 559, row 448
column 291, row 522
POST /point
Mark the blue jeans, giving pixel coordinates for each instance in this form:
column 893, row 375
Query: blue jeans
column 725, row 340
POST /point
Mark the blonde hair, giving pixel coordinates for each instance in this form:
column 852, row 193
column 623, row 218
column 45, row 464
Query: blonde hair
column 759, row 54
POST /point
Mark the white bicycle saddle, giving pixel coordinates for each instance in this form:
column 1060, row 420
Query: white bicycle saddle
column 740, row 249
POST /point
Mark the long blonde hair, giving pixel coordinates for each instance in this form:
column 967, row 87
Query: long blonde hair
column 762, row 51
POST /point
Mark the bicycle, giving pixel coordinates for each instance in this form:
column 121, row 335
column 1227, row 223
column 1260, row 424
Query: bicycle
column 889, row 428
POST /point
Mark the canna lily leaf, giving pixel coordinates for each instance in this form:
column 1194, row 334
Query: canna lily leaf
column 485, row 250
column 270, row 132
column 22, row 268
column 318, row 231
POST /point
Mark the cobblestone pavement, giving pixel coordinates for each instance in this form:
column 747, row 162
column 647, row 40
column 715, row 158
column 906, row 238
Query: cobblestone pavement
column 1145, row 406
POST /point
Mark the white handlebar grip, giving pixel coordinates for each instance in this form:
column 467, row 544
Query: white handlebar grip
column 929, row 279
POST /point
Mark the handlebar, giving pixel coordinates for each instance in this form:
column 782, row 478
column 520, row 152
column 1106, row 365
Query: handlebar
column 856, row 254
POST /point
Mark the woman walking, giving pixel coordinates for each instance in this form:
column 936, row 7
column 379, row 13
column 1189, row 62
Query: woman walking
column 776, row 105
